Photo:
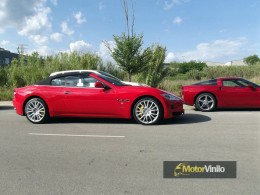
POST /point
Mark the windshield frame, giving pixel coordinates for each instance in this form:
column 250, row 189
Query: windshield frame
column 113, row 80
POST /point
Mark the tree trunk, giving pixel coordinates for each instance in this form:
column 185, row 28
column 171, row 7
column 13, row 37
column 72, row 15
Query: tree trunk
column 129, row 77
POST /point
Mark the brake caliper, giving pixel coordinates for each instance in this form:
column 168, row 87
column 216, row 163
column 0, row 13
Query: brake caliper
column 142, row 110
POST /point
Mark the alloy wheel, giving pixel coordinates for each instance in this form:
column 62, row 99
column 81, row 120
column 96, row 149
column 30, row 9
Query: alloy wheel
column 35, row 110
column 205, row 102
column 147, row 111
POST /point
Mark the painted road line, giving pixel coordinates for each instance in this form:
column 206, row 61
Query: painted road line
column 73, row 135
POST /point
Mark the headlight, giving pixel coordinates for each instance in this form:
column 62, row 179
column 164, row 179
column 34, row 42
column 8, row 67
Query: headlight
column 170, row 97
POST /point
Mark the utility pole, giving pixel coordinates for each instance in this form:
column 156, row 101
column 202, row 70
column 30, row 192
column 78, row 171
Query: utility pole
column 21, row 49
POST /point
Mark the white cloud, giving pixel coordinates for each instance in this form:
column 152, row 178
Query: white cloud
column 215, row 50
column 177, row 20
column 44, row 50
column 65, row 28
column 54, row 2
column 57, row 37
column 104, row 52
column 4, row 42
column 79, row 18
column 13, row 12
column 171, row 3
column 170, row 57
column 35, row 23
column 80, row 46
column 39, row 39
column 101, row 5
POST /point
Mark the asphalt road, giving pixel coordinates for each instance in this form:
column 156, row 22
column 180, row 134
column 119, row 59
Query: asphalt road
column 103, row 156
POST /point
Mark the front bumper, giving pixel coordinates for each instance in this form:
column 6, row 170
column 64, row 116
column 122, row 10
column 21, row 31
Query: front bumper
column 174, row 108
column 18, row 107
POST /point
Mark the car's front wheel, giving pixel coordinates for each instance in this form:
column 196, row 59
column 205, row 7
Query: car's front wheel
column 36, row 111
column 205, row 102
column 147, row 111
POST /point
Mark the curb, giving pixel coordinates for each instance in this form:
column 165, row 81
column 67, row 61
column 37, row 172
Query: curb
column 6, row 103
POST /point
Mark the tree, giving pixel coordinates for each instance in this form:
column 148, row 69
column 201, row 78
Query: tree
column 251, row 60
column 185, row 67
column 128, row 51
column 129, row 55
column 155, row 71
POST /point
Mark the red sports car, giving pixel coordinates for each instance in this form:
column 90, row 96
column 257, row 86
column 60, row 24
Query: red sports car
column 94, row 94
column 222, row 93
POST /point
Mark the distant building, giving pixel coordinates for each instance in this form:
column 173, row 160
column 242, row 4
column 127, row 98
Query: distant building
column 214, row 64
column 6, row 57
column 236, row 63
column 231, row 63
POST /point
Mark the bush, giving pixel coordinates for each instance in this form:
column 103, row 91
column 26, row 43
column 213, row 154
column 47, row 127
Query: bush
column 3, row 76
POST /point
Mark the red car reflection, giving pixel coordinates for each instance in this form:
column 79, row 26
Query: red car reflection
column 94, row 94
column 222, row 93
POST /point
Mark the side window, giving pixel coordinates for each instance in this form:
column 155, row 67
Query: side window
column 208, row 82
column 58, row 82
column 233, row 83
column 229, row 83
column 74, row 81
column 88, row 81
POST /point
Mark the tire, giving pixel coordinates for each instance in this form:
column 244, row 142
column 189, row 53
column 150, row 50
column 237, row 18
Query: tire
column 147, row 111
column 36, row 111
column 205, row 102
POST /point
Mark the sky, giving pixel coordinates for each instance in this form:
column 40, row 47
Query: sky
column 201, row 30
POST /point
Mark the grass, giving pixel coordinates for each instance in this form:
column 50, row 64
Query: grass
column 6, row 93
column 174, row 86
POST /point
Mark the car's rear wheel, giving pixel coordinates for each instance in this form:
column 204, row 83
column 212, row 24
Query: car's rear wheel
column 36, row 111
column 147, row 111
column 205, row 102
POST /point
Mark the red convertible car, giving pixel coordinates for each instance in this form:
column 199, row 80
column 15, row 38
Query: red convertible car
column 94, row 94
column 222, row 93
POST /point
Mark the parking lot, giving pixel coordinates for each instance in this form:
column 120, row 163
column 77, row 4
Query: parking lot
column 113, row 156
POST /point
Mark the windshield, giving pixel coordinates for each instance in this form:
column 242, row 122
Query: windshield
column 246, row 83
column 109, row 75
column 113, row 80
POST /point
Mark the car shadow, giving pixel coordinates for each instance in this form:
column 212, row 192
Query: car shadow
column 183, row 119
column 186, row 119
column 6, row 108
column 237, row 109
column 91, row 120
column 229, row 109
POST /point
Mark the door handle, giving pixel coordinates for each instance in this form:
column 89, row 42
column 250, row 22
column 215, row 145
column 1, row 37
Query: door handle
column 67, row 92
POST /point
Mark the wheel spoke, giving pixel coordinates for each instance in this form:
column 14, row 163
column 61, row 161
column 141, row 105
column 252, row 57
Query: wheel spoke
column 147, row 111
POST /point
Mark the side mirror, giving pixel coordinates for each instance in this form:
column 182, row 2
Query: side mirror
column 99, row 85
column 251, row 87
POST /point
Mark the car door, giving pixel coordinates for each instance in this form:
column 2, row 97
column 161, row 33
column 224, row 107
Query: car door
column 82, row 98
column 254, row 92
column 236, row 94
